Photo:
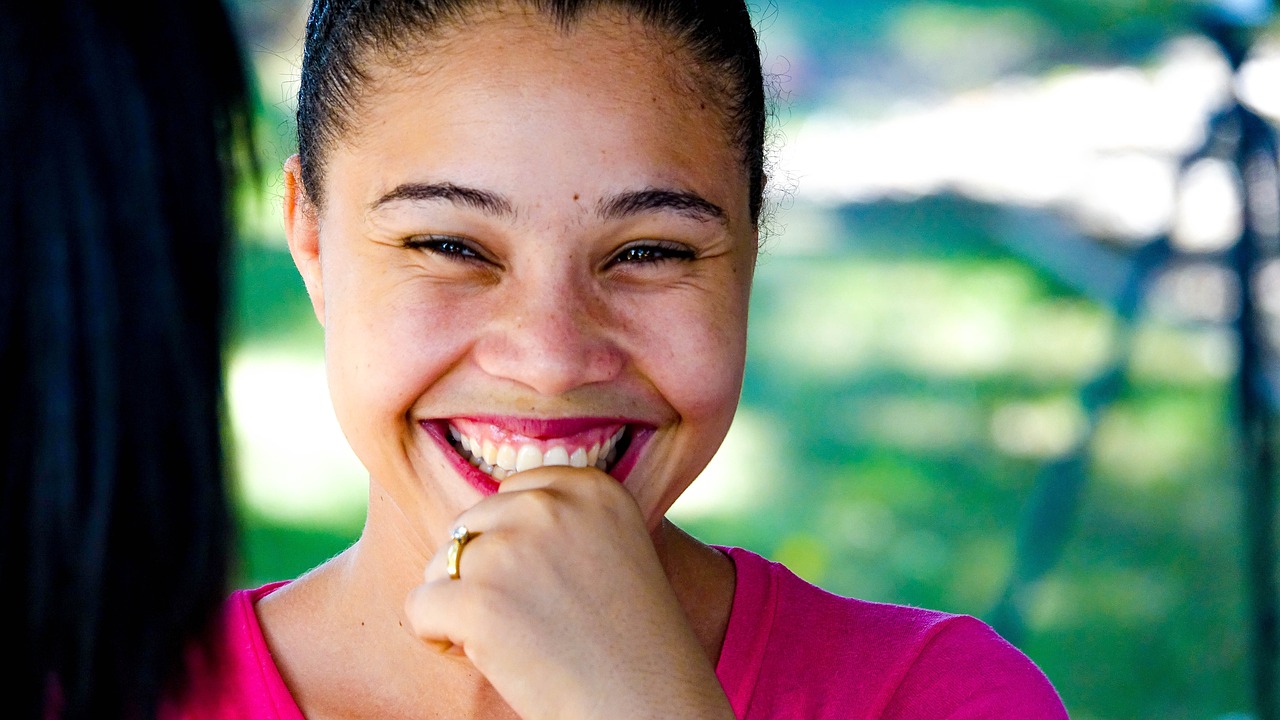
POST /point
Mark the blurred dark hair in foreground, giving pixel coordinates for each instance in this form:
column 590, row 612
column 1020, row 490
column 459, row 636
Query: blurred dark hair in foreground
column 121, row 136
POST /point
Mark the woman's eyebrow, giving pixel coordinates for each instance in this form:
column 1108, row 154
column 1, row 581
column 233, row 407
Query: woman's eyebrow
column 680, row 201
column 611, row 208
column 483, row 200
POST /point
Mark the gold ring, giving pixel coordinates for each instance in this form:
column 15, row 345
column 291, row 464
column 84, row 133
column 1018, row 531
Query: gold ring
column 460, row 537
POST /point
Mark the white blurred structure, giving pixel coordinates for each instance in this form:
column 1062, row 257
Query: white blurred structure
column 1099, row 145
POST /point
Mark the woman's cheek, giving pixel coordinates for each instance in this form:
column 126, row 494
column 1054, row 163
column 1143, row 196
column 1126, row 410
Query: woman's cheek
column 384, row 359
column 701, row 369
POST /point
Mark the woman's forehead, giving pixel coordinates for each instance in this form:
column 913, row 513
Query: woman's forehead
column 519, row 105
column 526, row 49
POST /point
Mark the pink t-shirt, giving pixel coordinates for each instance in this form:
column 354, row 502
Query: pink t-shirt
column 792, row 651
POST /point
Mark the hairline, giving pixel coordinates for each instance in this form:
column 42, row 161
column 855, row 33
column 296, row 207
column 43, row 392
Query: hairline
column 397, row 54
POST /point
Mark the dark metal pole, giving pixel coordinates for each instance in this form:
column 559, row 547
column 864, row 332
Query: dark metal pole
column 1255, row 159
column 1257, row 433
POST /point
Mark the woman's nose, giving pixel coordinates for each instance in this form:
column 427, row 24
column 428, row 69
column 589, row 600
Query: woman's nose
column 552, row 337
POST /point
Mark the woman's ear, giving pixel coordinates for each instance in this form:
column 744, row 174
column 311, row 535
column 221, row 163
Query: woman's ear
column 302, row 230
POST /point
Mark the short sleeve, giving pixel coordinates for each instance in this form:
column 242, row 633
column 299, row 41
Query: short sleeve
column 966, row 671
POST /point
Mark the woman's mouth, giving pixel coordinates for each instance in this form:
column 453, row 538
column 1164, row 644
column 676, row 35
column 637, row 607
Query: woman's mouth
column 501, row 459
column 489, row 450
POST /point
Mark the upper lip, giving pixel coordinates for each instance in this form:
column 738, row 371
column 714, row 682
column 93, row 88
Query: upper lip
column 546, row 428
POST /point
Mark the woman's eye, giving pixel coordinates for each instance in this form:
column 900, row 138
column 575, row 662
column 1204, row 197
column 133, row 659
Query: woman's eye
column 443, row 245
column 652, row 253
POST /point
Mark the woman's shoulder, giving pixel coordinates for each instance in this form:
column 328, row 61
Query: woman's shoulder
column 235, row 676
column 794, row 649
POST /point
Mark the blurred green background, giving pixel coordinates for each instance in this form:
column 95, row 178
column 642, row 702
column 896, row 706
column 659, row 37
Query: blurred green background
column 958, row 189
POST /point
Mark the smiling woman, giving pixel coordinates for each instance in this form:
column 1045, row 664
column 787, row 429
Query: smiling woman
column 529, row 230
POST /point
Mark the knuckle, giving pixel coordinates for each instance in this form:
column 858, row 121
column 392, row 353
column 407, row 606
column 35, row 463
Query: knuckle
column 542, row 505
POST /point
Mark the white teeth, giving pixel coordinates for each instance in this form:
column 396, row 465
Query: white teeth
column 528, row 459
column 556, row 456
column 501, row 461
column 506, row 457
column 607, row 449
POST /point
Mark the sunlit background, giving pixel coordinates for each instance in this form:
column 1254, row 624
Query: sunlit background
column 969, row 385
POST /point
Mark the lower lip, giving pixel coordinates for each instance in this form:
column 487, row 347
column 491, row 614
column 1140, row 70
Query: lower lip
column 486, row 484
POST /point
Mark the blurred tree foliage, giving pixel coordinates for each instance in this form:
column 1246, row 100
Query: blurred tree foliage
column 1083, row 31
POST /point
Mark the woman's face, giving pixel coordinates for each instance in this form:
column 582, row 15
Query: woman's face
column 535, row 248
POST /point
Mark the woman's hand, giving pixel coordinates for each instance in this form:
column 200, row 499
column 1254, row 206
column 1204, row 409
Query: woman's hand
column 563, row 605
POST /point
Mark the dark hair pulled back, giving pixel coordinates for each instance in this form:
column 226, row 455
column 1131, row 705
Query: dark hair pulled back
column 343, row 35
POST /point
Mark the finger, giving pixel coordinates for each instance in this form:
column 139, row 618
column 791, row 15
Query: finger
column 548, row 475
column 523, row 497
column 590, row 487
column 585, row 488
column 427, row 607
column 438, row 566
column 487, row 523
column 491, row 516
